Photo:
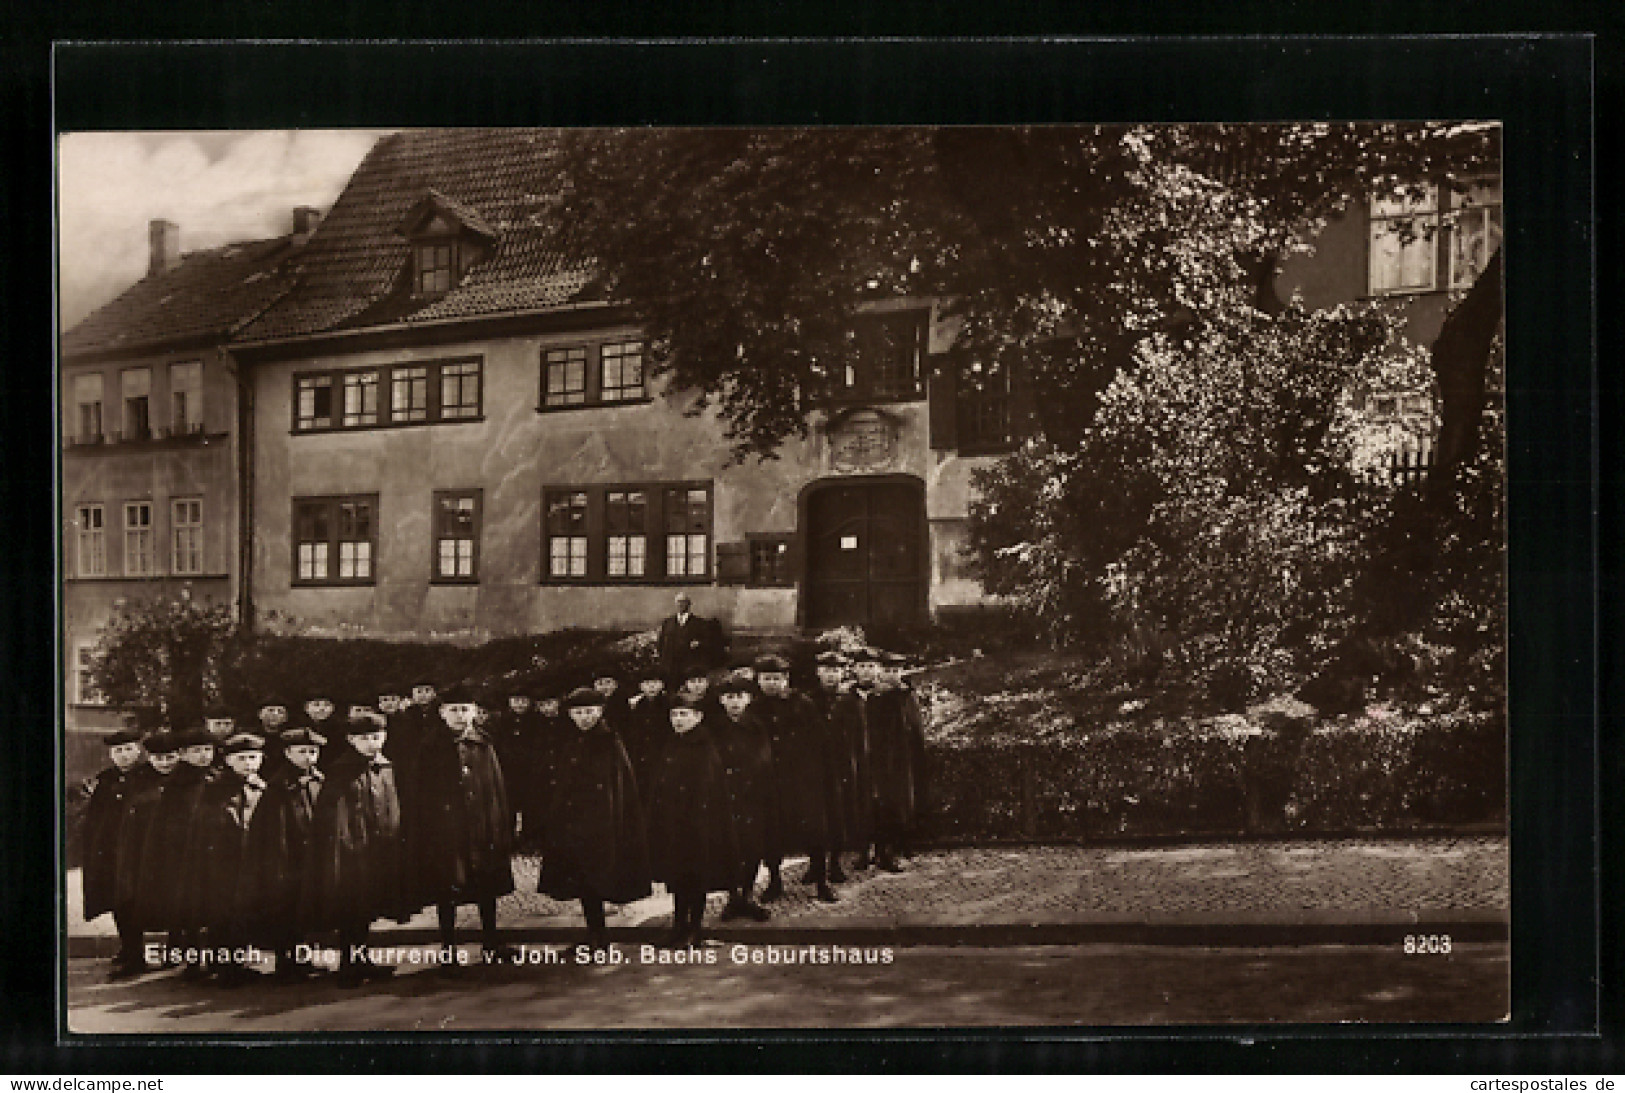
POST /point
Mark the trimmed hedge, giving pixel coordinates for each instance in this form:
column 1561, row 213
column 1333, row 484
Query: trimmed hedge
column 1128, row 782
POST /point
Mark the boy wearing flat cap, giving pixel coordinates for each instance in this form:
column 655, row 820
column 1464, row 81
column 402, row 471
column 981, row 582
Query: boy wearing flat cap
column 165, row 857
column 355, row 874
column 896, row 751
column 747, row 758
column 104, row 818
column 136, row 903
column 272, row 713
column 218, row 855
column 594, row 848
column 799, row 778
column 279, row 848
column 648, row 725
column 849, row 790
column 692, row 846
column 466, row 841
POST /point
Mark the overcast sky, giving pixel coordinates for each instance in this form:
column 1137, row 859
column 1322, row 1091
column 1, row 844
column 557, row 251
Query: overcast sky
column 219, row 187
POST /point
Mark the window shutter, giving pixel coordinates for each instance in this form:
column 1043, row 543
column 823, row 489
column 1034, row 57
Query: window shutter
column 733, row 563
column 943, row 402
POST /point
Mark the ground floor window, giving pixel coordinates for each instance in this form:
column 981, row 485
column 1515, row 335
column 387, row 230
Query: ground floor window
column 335, row 539
column 627, row 533
column 457, row 535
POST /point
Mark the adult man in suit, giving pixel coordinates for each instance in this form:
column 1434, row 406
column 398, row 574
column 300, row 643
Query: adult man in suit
column 688, row 641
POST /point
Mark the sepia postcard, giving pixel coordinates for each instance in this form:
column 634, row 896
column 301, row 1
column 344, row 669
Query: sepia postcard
column 558, row 579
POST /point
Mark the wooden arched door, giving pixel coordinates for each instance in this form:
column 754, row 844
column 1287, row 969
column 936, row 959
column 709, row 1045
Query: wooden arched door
column 865, row 543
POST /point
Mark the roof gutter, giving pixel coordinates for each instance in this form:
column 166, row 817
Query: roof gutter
column 386, row 330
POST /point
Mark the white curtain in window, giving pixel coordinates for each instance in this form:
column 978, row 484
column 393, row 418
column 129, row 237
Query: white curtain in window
column 137, row 382
column 87, row 388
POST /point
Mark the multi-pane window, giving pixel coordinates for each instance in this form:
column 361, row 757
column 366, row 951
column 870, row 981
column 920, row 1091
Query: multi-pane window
column 567, row 534
column 360, row 398
column 460, row 390
column 87, row 395
column 627, row 535
column 92, row 535
column 186, row 526
column 417, row 393
column 409, row 393
column 564, row 377
column 335, row 539
column 137, row 389
column 885, row 352
column 770, row 560
column 983, row 410
column 1404, row 243
column 688, row 532
column 621, row 371
column 185, row 398
column 457, row 535
column 84, row 687
column 434, row 268
column 1475, row 233
column 138, row 559
column 313, row 402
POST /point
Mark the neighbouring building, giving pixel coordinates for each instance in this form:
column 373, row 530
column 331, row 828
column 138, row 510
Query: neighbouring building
column 454, row 437
column 150, row 464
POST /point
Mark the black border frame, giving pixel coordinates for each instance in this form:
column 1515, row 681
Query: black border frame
column 1540, row 87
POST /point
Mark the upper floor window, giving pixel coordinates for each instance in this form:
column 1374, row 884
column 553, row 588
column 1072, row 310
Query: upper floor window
column 92, row 536
column 138, row 555
column 1475, row 232
column 137, row 387
column 597, row 375
column 885, row 354
column 457, row 535
column 564, row 377
column 361, row 398
column 1404, row 236
column 621, row 371
column 418, row 393
column 983, row 405
column 186, row 528
column 87, row 396
column 185, row 398
column 335, row 539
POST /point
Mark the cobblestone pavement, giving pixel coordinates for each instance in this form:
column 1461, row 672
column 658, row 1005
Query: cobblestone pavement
column 1355, row 880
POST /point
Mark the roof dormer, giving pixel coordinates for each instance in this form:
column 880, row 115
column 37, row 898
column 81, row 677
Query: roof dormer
column 446, row 238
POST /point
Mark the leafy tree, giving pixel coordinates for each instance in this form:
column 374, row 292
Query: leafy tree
column 163, row 654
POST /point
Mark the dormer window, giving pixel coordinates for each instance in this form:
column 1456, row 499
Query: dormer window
column 435, row 263
column 447, row 239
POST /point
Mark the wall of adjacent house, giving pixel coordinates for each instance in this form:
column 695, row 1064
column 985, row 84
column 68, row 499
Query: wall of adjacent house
column 115, row 472
column 1338, row 271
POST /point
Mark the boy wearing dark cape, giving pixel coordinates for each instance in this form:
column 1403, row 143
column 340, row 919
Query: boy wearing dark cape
column 279, row 848
column 103, row 821
column 897, row 752
column 466, row 843
column 165, row 860
column 648, row 725
column 747, row 757
column 692, row 846
column 802, row 817
column 849, row 793
column 218, row 858
column 135, row 902
column 354, row 873
column 594, row 848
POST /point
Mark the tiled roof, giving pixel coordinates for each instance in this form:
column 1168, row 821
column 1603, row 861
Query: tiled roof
column 209, row 294
column 354, row 272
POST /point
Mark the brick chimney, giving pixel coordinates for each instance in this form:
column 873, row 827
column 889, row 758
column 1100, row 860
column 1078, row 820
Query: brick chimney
column 305, row 219
column 164, row 241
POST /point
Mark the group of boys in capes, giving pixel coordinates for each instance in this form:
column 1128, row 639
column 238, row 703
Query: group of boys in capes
column 299, row 831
